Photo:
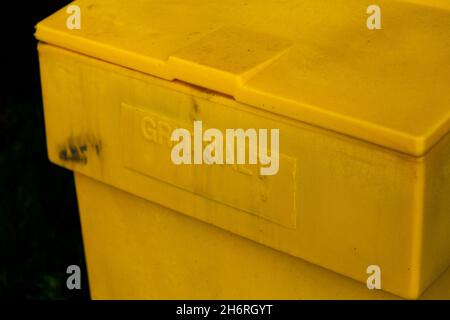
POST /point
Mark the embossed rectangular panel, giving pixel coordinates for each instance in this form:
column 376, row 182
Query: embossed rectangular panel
column 147, row 150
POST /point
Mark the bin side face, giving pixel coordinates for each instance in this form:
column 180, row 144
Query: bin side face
column 436, row 239
column 346, row 204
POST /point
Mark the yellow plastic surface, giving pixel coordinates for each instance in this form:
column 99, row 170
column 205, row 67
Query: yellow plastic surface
column 139, row 250
column 313, row 61
column 439, row 4
column 338, row 202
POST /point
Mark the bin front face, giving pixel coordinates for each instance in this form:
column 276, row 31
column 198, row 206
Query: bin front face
column 137, row 249
column 338, row 202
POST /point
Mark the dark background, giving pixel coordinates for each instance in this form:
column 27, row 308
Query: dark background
column 40, row 233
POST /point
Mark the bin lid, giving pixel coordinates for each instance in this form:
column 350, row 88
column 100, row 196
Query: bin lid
column 313, row 61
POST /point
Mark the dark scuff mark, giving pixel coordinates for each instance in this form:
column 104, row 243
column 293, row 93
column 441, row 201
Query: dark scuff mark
column 77, row 150
column 195, row 110
column 73, row 154
column 195, row 105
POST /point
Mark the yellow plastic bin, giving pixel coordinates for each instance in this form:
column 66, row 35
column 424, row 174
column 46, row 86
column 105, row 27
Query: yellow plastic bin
column 363, row 168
